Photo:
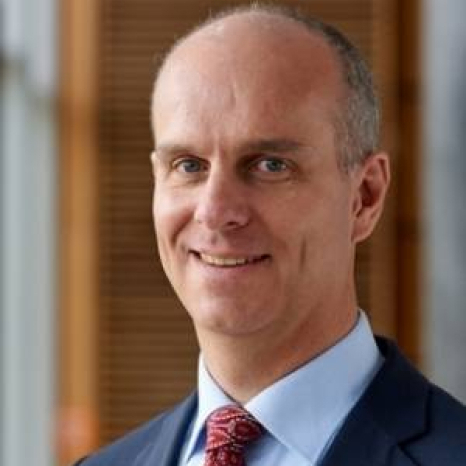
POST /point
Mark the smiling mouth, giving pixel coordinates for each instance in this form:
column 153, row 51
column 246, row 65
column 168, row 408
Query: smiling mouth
column 229, row 261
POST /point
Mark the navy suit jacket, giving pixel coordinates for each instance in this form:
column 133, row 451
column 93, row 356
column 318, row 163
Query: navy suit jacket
column 401, row 420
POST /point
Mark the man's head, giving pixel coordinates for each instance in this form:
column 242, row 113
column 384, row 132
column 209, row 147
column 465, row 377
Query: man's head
column 256, row 213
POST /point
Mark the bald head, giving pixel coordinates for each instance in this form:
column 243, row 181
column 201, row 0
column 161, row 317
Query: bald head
column 278, row 52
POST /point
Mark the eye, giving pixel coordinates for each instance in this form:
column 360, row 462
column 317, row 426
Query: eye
column 188, row 165
column 271, row 169
column 272, row 165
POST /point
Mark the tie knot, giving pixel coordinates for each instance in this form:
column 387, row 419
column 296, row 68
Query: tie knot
column 231, row 427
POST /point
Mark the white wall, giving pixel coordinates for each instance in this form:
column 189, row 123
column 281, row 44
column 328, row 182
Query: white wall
column 28, row 239
column 444, row 192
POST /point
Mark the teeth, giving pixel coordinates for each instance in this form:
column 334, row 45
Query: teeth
column 225, row 261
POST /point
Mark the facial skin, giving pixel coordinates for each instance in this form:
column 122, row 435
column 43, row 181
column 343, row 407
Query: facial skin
column 255, row 220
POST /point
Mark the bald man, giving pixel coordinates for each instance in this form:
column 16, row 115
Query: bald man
column 267, row 176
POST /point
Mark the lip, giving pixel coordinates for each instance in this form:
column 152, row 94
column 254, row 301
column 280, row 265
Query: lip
column 229, row 260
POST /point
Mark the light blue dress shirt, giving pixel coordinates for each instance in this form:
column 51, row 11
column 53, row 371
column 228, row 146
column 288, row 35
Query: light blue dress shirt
column 303, row 411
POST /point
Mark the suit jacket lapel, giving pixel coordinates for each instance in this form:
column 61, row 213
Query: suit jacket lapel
column 167, row 445
column 363, row 443
column 390, row 413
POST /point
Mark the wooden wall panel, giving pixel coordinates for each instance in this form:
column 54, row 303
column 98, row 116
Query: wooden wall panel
column 408, row 220
column 78, row 415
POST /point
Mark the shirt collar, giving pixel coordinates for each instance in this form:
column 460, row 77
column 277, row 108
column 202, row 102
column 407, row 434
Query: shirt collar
column 210, row 398
column 303, row 409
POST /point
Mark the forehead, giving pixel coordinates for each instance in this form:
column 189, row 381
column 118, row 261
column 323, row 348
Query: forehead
column 249, row 65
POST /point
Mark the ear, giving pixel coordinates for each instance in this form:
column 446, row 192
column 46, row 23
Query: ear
column 153, row 159
column 372, row 179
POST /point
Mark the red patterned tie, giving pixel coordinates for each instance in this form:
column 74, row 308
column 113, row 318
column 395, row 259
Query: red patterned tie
column 229, row 430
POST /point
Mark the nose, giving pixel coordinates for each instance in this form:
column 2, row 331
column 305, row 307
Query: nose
column 222, row 204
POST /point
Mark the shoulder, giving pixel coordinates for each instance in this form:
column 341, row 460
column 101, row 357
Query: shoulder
column 432, row 422
column 164, row 431
column 444, row 440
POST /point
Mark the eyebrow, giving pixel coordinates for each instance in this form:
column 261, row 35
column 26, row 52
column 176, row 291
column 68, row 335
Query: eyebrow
column 271, row 145
column 170, row 150
column 278, row 146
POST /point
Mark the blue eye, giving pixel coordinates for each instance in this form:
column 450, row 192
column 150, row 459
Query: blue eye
column 272, row 169
column 189, row 166
column 272, row 165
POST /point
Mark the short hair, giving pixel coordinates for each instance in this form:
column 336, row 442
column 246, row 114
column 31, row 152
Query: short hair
column 357, row 126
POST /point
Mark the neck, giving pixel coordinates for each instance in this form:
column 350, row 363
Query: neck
column 245, row 365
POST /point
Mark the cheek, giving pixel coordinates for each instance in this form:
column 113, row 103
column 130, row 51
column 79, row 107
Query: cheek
column 171, row 214
column 168, row 220
column 316, row 228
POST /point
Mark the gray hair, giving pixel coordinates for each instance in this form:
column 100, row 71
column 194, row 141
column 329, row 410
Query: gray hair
column 357, row 127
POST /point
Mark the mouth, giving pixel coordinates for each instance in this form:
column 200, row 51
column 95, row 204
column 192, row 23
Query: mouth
column 229, row 261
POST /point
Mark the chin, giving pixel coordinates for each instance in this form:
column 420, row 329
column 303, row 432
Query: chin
column 227, row 319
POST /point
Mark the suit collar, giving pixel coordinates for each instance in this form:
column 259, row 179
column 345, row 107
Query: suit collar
column 167, row 444
column 391, row 412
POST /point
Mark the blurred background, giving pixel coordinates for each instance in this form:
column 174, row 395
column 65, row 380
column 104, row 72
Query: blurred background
column 92, row 340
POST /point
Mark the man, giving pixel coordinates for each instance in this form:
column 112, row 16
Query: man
column 267, row 176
